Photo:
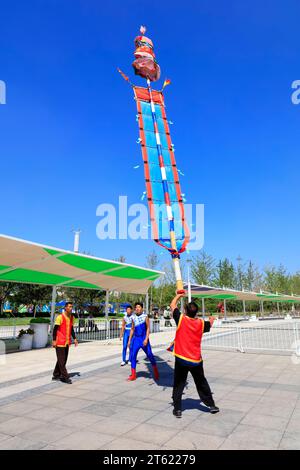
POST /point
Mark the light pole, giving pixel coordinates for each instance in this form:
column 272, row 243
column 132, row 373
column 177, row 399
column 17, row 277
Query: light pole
column 76, row 239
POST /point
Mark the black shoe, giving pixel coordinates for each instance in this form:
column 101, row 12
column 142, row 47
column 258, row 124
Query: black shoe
column 214, row 409
column 177, row 413
column 55, row 378
column 66, row 381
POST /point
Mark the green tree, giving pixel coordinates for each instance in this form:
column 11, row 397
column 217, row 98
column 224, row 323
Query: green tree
column 32, row 294
column 152, row 263
column 225, row 274
column 276, row 279
column 6, row 290
column 252, row 278
column 203, row 268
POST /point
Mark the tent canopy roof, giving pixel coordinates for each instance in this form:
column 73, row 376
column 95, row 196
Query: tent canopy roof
column 26, row 262
column 222, row 293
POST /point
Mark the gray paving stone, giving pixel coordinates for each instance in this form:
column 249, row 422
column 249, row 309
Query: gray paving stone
column 69, row 391
column 46, row 399
column 243, row 397
column 225, row 415
column 187, row 440
column 212, row 425
column 127, row 443
column 18, row 425
column 169, row 420
column 294, row 424
column 284, row 410
column 231, row 443
column 154, row 434
column 5, row 417
column 235, row 405
column 83, row 440
column 96, row 396
column 250, row 390
column 79, row 419
column 3, row 436
column 17, row 443
column 73, row 404
column 155, row 405
column 135, row 414
column 113, row 426
column 245, row 433
column 265, row 421
column 290, row 441
column 100, row 409
column 20, row 408
column 47, row 414
column 47, row 433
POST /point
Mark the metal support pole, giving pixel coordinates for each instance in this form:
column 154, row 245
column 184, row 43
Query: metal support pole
column 181, row 305
column 106, row 313
column 203, row 307
column 225, row 310
column 189, row 286
column 53, row 304
column 262, row 308
column 244, row 307
column 147, row 303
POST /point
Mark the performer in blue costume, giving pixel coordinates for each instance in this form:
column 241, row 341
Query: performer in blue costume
column 139, row 334
column 125, row 333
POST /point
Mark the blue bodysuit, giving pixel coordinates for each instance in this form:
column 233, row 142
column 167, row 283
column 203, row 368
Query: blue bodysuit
column 139, row 336
column 128, row 323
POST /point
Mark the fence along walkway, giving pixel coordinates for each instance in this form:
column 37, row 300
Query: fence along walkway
column 280, row 336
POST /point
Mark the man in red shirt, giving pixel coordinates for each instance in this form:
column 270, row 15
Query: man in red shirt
column 62, row 333
column 187, row 352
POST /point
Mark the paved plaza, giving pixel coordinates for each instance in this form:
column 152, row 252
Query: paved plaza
column 258, row 394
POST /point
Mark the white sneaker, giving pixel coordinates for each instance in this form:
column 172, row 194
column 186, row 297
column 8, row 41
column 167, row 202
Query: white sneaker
column 123, row 363
column 129, row 363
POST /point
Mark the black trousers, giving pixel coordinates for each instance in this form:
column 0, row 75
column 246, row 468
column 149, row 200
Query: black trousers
column 62, row 357
column 180, row 375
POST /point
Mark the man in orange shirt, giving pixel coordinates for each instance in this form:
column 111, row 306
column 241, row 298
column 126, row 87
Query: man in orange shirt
column 62, row 333
column 187, row 351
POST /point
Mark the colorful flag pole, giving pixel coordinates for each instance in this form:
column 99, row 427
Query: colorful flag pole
column 163, row 191
column 175, row 255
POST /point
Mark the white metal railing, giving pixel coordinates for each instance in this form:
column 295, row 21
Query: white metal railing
column 278, row 336
column 12, row 331
column 105, row 330
column 281, row 337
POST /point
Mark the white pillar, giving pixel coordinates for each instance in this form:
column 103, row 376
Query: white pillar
column 244, row 307
column 181, row 305
column 225, row 310
column 53, row 303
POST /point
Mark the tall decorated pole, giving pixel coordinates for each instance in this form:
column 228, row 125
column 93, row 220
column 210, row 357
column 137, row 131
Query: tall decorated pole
column 164, row 195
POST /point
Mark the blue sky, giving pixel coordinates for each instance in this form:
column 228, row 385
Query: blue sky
column 68, row 130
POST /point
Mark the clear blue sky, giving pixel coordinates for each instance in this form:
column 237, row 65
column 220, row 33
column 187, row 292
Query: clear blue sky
column 68, row 130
